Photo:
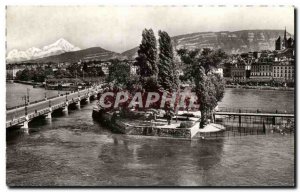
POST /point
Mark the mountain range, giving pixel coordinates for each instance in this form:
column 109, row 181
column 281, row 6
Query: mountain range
column 231, row 42
column 58, row 47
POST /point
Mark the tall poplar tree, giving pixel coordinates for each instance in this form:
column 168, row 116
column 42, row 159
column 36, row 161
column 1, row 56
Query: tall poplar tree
column 147, row 54
column 167, row 76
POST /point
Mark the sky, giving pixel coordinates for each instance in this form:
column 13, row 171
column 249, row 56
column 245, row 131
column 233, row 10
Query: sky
column 119, row 28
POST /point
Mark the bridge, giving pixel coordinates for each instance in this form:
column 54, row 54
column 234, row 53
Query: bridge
column 254, row 114
column 246, row 113
column 23, row 114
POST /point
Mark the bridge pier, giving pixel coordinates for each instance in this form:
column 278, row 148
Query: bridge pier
column 49, row 116
column 25, row 126
column 88, row 99
column 65, row 109
column 78, row 103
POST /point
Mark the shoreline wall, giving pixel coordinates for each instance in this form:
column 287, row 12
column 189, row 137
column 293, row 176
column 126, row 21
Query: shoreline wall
column 118, row 126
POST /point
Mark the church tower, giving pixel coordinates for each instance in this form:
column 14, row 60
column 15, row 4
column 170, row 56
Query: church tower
column 278, row 44
column 290, row 43
column 284, row 42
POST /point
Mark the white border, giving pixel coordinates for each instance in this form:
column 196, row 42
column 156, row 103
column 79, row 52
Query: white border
column 3, row 3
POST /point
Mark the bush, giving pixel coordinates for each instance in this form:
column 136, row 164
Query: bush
column 186, row 124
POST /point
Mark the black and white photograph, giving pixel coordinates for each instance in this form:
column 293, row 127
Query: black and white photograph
column 150, row 96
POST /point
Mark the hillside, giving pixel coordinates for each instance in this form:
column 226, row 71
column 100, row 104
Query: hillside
column 230, row 42
column 131, row 53
column 97, row 53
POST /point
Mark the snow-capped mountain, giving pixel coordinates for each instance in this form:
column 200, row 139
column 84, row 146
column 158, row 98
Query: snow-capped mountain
column 58, row 47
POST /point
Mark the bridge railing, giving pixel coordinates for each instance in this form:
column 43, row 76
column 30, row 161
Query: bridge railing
column 32, row 102
column 49, row 98
column 15, row 122
column 253, row 110
column 15, row 107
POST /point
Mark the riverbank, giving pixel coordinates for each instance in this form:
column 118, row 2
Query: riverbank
column 180, row 127
column 29, row 83
column 260, row 87
column 157, row 128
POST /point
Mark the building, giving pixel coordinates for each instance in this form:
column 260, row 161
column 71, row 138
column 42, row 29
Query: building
column 238, row 71
column 219, row 71
column 284, row 43
column 11, row 72
column 105, row 69
column 264, row 66
column 283, row 70
column 133, row 69
column 261, row 69
column 227, row 69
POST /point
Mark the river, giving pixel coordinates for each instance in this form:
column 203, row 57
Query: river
column 268, row 100
column 15, row 92
column 72, row 149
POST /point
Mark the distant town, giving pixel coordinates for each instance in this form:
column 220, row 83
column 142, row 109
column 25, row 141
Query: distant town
column 273, row 68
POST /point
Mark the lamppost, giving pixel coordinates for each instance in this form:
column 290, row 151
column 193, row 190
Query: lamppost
column 28, row 95
column 45, row 95
column 25, row 100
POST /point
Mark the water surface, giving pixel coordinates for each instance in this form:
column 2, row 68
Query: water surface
column 73, row 150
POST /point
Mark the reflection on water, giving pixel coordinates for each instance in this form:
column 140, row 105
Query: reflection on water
column 74, row 150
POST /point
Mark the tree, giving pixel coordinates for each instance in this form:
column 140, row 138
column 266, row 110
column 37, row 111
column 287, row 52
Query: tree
column 39, row 75
column 147, row 53
column 209, row 87
column 92, row 72
column 74, row 70
column 48, row 71
column 219, row 84
column 25, row 75
column 60, row 73
column 85, row 67
column 167, row 76
column 119, row 73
